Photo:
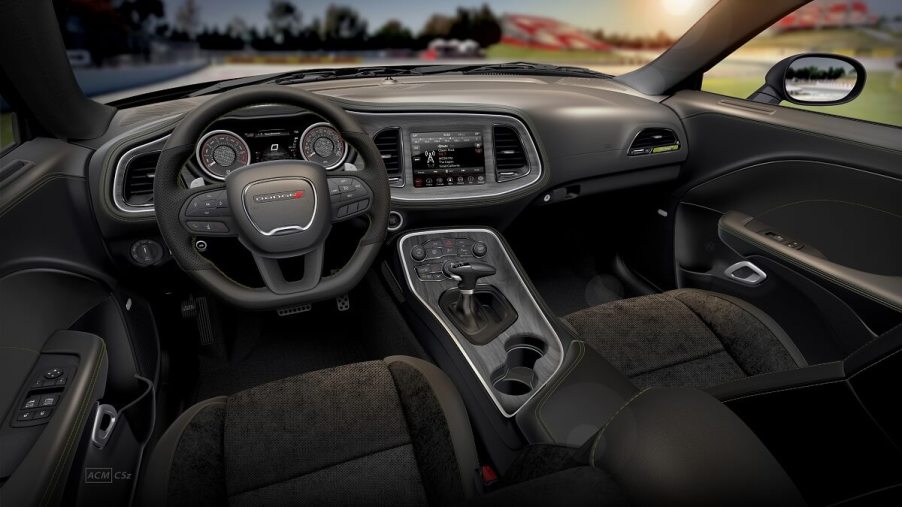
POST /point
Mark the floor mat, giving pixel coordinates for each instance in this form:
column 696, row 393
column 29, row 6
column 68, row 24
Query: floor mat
column 264, row 347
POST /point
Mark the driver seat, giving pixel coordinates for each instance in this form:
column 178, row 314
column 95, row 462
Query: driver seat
column 394, row 429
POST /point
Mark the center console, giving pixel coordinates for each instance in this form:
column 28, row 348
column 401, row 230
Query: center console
column 469, row 283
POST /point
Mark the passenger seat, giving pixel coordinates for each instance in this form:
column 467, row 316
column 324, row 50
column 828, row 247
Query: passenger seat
column 686, row 338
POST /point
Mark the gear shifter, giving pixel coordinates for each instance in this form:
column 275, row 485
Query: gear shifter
column 467, row 311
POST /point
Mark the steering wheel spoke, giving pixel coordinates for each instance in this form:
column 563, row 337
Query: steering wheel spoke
column 206, row 212
column 275, row 278
column 350, row 194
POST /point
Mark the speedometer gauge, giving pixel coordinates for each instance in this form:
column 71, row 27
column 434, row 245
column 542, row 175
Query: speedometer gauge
column 220, row 152
column 322, row 144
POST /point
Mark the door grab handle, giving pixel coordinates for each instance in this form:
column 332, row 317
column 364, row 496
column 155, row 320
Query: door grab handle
column 745, row 273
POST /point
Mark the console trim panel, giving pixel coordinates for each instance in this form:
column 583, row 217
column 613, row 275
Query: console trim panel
column 477, row 356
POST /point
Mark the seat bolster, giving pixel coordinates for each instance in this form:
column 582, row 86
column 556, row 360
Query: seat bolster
column 455, row 412
column 154, row 483
column 722, row 313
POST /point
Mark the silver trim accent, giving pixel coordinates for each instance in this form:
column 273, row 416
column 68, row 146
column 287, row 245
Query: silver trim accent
column 119, row 175
column 450, row 332
column 278, row 230
column 756, row 278
column 344, row 155
column 400, row 221
column 529, row 145
column 203, row 139
column 100, row 436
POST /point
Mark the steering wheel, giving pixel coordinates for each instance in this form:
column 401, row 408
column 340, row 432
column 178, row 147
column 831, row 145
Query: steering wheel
column 278, row 209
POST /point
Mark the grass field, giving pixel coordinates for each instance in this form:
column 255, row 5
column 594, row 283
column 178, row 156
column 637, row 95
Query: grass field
column 826, row 40
column 516, row 53
column 6, row 130
column 879, row 102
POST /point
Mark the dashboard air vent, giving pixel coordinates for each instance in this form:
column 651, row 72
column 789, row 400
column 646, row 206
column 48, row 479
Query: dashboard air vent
column 654, row 141
column 510, row 158
column 388, row 142
column 137, row 186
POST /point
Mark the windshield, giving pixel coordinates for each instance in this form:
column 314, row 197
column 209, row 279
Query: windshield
column 121, row 48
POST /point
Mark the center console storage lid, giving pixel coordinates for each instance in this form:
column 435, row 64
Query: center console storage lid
column 680, row 446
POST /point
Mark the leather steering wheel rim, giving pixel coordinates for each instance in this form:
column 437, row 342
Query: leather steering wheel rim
column 170, row 196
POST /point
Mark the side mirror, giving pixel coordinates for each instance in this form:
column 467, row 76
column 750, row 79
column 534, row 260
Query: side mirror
column 814, row 79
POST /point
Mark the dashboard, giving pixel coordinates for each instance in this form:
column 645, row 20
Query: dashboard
column 447, row 142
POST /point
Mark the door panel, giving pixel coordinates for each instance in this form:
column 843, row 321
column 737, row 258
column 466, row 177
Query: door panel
column 811, row 199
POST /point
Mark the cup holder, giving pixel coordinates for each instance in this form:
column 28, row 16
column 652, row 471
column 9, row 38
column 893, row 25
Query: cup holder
column 516, row 376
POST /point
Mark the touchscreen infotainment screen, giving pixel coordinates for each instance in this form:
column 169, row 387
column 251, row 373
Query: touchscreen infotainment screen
column 443, row 159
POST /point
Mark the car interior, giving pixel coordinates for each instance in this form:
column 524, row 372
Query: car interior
column 448, row 285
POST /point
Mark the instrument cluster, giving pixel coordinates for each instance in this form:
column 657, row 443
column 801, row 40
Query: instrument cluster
column 235, row 143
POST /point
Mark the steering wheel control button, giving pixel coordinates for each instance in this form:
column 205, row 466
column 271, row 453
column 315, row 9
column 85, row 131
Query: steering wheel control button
column 53, row 373
column 208, row 227
column 208, row 204
column 479, row 249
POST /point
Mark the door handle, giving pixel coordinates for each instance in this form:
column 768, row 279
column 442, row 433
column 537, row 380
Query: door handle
column 746, row 273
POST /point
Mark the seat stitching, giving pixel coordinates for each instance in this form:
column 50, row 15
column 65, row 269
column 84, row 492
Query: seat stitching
column 608, row 423
column 677, row 363
column 320, row 469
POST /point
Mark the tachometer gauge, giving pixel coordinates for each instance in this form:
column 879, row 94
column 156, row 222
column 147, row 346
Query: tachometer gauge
column 220, row 152
column 322, row 144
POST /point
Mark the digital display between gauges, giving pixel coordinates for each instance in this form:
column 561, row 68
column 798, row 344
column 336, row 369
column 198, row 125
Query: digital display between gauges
column 274, row 144
column 442, row 159
column 322, row 144
column 221, row 152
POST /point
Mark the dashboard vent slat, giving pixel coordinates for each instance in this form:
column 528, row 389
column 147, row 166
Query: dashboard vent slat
column 137, row 187
column 388, row 142
column 654, row 140
column 510, row 157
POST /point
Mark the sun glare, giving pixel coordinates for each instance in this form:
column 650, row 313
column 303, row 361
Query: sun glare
column 677, row 7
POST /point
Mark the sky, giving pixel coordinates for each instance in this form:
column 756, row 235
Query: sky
column 645, row 17
column 622, row 16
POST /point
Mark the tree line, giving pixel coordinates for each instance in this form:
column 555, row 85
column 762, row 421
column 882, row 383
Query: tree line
column 107, row 28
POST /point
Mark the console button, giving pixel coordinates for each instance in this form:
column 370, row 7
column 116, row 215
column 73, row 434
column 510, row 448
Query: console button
column 417, row 253
column 479, row 249
column 42, row 414
column 60, row 381
column 53, row 373
column 25, row 416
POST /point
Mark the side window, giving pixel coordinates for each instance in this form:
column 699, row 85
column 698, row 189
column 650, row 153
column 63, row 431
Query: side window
column 868, row 30
column 8, row 135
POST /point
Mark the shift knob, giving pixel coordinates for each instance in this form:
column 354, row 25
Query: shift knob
column 468, row 273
